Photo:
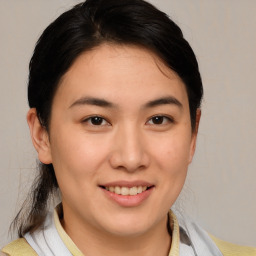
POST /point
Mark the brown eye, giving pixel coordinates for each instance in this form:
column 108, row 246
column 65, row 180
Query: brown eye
column 158, row 120
column 96, row 120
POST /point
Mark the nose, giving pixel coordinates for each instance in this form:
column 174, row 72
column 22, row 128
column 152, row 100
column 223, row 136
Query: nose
column 129, row 151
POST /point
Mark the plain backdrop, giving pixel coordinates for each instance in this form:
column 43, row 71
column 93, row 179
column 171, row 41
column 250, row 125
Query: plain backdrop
column 220, row 192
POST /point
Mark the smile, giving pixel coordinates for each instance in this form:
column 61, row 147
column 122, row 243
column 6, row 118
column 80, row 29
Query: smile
column 125, row 191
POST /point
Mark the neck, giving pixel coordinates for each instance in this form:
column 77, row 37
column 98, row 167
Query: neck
column 156, row 241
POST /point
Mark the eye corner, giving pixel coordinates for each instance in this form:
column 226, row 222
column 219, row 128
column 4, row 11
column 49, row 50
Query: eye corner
column 160, row 120
column 96, row 120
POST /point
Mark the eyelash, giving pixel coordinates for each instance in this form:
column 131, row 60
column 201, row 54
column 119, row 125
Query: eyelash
column 162, row 118
column 102, row 119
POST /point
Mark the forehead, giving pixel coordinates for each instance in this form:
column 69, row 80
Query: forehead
column 120, row 72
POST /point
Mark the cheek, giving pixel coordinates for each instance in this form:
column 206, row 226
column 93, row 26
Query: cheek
column 77, row 155
column 173, row 152
column 172, row 164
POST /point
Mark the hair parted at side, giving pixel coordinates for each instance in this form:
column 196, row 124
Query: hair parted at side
column 80, row 29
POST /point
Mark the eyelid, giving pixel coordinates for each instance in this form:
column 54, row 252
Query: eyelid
column 107, row 123
column 169, row 118
column 88, row 118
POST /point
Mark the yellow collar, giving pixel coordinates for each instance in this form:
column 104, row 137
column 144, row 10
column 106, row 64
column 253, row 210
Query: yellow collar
column 174, row 226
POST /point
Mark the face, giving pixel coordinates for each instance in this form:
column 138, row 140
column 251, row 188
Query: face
column 120, row 140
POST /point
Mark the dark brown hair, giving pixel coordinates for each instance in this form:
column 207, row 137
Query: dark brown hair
column 84, row 27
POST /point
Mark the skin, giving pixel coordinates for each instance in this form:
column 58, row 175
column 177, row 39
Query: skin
column 129, row 144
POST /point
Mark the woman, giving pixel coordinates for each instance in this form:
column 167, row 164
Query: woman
column 114, row 94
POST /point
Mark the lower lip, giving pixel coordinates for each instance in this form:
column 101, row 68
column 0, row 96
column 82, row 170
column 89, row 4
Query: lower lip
column 128, row 201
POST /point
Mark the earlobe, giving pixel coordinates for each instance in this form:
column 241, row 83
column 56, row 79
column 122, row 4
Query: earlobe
column 194, row 135
column 39, row 136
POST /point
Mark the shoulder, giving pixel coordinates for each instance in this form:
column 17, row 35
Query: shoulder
column 18, row 247
column 191, row 233
column 229, row 249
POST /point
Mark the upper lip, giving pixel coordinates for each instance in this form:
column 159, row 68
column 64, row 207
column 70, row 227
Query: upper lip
column 128, row 184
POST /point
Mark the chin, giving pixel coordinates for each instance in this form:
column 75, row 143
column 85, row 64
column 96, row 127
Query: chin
column 129, row 225
column 130, row 230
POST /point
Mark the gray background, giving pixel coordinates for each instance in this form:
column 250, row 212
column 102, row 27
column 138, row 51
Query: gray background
column 220, row 190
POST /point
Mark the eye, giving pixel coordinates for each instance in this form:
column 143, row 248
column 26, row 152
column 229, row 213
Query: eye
column 96, row 120
column 159, row 120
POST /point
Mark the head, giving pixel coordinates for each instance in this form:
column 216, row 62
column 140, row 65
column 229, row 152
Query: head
column 117, row 38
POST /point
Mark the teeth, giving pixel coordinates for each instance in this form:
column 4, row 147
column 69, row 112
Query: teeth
column 134, row 191
column 118, row 190
column 125, row 191
column 111, row 189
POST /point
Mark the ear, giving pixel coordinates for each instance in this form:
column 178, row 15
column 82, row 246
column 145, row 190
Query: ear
column 39, row 136
column 194, row 135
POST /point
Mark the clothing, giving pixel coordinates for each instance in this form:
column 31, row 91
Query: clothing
column 188, row 239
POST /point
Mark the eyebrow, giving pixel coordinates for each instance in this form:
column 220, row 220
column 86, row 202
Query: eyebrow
column 163, row 101
column 92, row 101
column 104, row 103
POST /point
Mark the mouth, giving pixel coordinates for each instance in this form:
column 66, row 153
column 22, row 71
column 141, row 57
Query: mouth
column 126, row 191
